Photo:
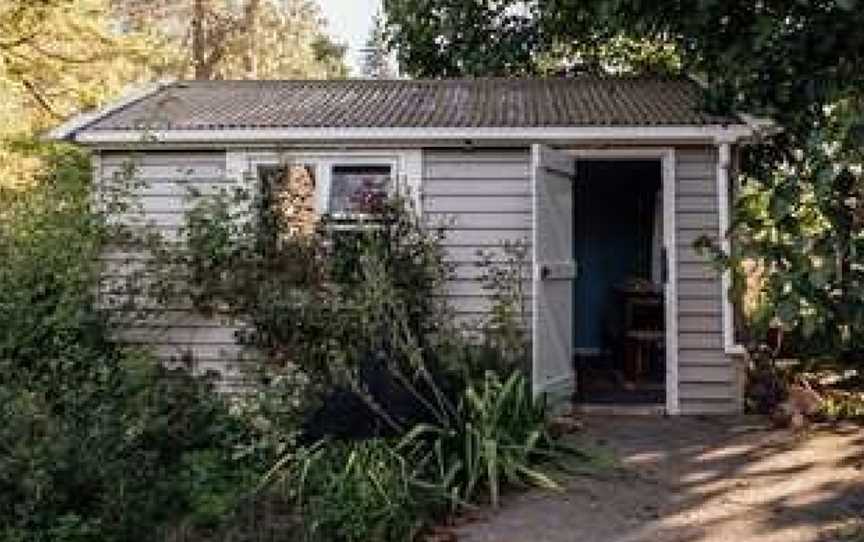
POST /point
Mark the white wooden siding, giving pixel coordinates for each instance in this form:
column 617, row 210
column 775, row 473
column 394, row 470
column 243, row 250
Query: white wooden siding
column 164, row 184
column 481, row 198
column 706, row 373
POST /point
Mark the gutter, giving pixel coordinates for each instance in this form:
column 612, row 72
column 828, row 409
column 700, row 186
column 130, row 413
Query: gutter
column 646, row 134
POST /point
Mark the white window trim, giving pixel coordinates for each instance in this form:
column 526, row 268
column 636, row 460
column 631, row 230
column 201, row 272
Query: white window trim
column 406, row 165
column 666, row 157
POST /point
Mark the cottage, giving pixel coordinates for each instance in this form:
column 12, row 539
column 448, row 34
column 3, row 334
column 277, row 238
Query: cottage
column 609, row 180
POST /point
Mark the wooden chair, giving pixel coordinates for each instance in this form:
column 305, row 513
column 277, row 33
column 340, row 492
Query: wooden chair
column 644, row 335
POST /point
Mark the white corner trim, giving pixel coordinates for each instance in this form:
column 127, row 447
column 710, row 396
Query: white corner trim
column 709, row 133
column 412, row 169
column 536, row 390
column 236, row 164
column 68, row 129
column 666, row 156
column 670, row 243
column 724, row 161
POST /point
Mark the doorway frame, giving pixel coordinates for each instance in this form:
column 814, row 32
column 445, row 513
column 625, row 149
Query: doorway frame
column 666, row 157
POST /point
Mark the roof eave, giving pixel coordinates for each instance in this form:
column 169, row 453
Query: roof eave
column 68, row 130
column 704, row 133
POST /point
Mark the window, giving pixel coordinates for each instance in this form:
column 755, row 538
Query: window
column 358, row 190
column 300, row 189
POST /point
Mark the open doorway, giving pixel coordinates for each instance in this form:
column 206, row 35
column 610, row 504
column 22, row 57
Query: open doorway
column 619, row 314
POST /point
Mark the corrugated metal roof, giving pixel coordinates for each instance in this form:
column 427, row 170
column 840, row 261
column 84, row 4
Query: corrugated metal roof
column 453, row 103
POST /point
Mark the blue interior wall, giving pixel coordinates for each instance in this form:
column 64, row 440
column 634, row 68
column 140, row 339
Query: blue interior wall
column 613, row 227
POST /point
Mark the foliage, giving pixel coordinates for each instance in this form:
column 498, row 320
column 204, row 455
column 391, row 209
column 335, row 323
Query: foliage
column 842, row 405
column 494, row 437
column 252, row 39
column 767, row 384
column 436, row 38
column 96, row 439
column 446, row 39
column 331, row 302
column 805, row 223
column 392, row 489
column 359, row 491
column 61, row 56
column 355, row 306
column 377, row 63
column 792, row 70
column 505, row 278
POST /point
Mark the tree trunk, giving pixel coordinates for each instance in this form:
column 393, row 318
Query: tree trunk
column 202, row 69
column 250, row 58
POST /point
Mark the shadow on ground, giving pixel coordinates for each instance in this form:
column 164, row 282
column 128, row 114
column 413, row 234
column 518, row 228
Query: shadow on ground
column 697, row 480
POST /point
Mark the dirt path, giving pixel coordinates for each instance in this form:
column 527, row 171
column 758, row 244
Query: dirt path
column 697, row 480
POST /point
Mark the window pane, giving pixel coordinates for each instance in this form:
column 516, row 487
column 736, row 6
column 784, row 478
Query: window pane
column 359, row 189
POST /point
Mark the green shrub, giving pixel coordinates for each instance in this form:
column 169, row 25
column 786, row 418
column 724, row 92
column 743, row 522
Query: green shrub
column 359, row 310
column 842, row 405
column 96, row 442
column 359, row 491
column 496, row 438
column 392, row 489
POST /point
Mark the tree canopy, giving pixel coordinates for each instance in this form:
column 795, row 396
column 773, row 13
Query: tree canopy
column 59, row 57
column 767, row 55
column 249, row 39
column 377, row 62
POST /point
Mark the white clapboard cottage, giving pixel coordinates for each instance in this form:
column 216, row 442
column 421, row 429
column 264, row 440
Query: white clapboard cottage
column 610, row 181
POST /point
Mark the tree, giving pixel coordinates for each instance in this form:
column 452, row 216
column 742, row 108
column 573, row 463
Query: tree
column 58, row 57
column 439, row 38
column 377, row 63
column 250, row 39
column 435, row 38
column 777, row 57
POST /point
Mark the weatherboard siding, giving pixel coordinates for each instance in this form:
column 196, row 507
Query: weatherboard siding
column 164, row 184
column 481, row 198
column 707, row 378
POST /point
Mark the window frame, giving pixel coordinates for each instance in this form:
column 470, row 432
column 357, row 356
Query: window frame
column 325, row 170
column 406, row 163
column 244, row 165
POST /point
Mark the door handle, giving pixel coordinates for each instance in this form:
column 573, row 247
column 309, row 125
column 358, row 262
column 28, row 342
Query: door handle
column 565, row 270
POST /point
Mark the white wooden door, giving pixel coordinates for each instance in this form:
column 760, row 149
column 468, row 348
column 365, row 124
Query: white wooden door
column 554, row 274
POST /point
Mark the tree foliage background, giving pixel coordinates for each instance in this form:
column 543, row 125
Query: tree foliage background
column 799, row 63
column 60, row 57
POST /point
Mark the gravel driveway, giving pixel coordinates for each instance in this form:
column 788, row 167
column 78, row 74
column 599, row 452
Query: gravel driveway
column 696, row 480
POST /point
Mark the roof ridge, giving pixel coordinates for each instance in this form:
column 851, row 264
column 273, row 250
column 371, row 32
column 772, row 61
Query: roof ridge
column 423, row 81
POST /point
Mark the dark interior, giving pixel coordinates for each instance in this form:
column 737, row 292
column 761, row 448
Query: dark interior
column 619, row 336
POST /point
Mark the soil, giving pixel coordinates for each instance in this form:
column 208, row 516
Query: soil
column 695, row 480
